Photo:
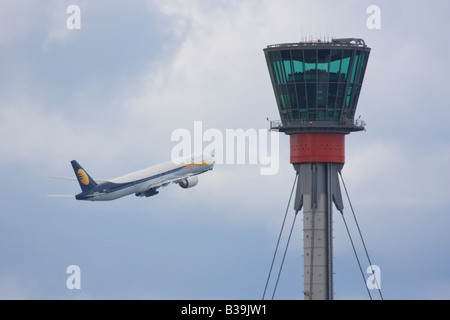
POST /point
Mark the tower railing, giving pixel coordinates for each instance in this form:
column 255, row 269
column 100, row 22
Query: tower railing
column 344, row 124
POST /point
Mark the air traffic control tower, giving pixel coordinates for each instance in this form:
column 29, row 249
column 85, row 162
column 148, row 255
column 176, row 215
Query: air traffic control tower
column 317, row 85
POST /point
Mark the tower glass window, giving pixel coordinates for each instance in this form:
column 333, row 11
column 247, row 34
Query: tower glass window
column 317, row 81
column 297, row 61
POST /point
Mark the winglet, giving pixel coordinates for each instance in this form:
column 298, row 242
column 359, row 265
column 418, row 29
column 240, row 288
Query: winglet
column 85, row 181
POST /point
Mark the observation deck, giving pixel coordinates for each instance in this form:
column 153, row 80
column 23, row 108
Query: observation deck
column 317, row 84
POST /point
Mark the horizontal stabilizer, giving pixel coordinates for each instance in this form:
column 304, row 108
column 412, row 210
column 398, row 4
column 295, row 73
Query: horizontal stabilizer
column 73, row 179
column 60, row 195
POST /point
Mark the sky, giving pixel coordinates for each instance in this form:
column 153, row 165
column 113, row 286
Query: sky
column 110, row 95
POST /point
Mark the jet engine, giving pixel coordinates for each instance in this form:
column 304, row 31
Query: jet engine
column 148, row 193
column 188, row 182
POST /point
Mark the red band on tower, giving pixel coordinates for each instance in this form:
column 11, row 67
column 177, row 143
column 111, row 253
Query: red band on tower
column 317, row 147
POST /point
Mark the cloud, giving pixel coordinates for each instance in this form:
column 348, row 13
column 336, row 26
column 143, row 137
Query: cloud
column 218, row 67
column 20, row 15
column 392, row 173
column 29, row 18
column 35, row 136
column 13, row 288
column 57, row 31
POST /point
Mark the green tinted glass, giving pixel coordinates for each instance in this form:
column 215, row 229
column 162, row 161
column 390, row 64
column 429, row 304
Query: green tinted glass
column 317, row 82
column 345, row 65
column 362, row 69
column 283, row 96
column 322, row 94
column 275, row 66
column 287, row 66
column 335, row 65
column 310, row 65
column 332, row 92
column 323, row 62
column 340, row 96
column 301, row 96
column 297, row 61
column 311, row 91
column 271, row 63
column 355, row 67
column 349, row 95
column 292, row 96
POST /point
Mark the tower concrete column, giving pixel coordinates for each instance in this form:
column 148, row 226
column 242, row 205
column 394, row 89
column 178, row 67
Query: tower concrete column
column 317, row 189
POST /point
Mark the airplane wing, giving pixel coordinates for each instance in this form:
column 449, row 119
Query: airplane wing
column 152, row 190
column 164, row 183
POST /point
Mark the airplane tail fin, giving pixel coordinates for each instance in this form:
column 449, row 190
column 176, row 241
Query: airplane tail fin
column 85, row 181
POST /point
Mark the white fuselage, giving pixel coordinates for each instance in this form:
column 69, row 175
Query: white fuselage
column 146, row 181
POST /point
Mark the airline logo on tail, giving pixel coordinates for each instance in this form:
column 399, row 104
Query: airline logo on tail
column 83, row 177
column 85, row 181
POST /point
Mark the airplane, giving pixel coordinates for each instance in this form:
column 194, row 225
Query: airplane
column 143, row 183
